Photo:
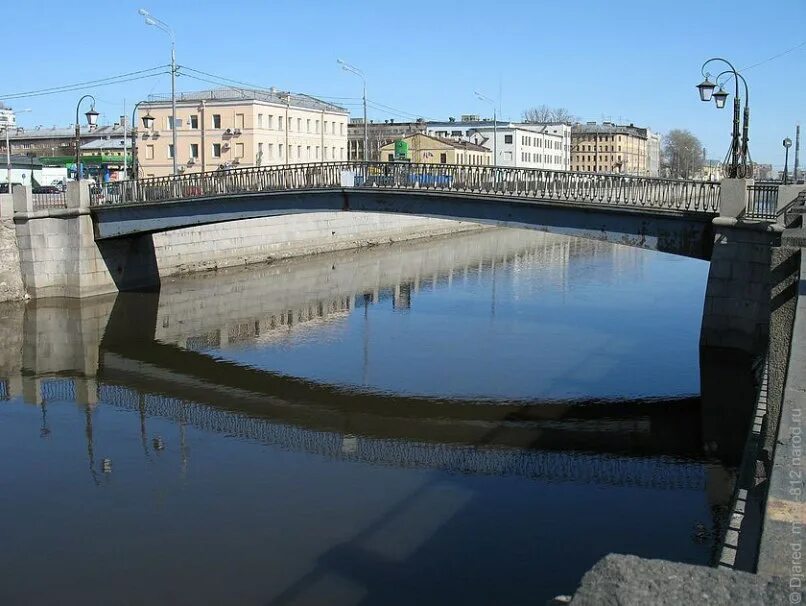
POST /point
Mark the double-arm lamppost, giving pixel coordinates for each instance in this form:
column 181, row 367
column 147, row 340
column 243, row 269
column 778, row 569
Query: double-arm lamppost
column 495, row 125
column 787, row 145
column 739, row 165
column 354, row 70
column 92, row 121
column 161, row 25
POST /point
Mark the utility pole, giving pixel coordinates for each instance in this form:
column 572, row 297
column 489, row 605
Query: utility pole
column 203, row 146
column 797, row 151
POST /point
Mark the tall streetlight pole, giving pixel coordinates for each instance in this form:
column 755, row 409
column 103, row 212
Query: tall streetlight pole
column 495, row 125
column 92, row 120
column 8, row 150
column 161, row 25
column 739, row 152
column 354, row 70
column 787, row 145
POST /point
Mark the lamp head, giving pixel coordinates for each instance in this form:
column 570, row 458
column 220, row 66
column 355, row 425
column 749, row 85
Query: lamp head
column 150, row 21
column 720, row 97
column 706, row 88
column 143, row 12
column 148, row 121
column 92, row 117
column 787, row 143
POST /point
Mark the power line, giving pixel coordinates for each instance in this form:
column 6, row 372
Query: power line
column 90, row 83
column 781, row 54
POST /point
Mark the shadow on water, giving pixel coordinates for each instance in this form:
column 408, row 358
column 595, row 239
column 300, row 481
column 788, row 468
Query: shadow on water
column 428, row 541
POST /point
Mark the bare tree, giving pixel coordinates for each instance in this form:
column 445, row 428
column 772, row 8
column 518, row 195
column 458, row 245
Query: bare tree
column 682, row 154
column 544, row 113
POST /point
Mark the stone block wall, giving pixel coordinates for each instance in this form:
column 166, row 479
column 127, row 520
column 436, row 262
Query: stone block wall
column 59, row 257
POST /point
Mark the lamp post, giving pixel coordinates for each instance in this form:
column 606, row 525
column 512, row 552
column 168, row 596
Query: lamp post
column 161, row 25
column 8, row 151
column 148, row 122
column 92, row 120
column 787, row 145
column 739, row 152
column 495, row 125
column 354, row 70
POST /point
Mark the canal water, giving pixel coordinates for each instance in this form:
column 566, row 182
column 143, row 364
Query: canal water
column 471, row 420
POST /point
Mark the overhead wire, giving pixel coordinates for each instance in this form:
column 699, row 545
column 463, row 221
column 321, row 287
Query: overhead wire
column 127, row 77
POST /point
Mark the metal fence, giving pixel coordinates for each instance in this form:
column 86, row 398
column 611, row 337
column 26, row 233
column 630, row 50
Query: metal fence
column 594, row 188
column 48, row 201
column 762, row 201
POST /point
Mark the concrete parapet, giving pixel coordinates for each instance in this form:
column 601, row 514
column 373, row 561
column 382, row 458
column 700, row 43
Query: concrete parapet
column 733, row 197
column 633, row 581
column 6, row 206
column 23, row 199
column 78, row 194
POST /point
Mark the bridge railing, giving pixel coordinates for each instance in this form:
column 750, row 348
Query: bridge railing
column 613, row 189
column 762, row 201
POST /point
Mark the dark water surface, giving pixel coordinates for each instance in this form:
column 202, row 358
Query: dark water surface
column 473, row 420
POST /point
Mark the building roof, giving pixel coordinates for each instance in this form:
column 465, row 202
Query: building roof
column 68, row 132
column 463, row 145
column 608, row 128
column 116, row 143
column 248, row 94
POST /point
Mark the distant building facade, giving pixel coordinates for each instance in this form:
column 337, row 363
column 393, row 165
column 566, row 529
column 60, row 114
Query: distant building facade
column 614, row 148
column 235, row 128
column 379, row 134
column 425, row 149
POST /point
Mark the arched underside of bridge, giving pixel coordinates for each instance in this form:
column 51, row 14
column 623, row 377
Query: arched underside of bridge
column 685, row 233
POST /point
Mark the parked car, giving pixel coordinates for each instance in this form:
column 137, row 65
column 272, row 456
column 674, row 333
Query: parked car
column 47, row 189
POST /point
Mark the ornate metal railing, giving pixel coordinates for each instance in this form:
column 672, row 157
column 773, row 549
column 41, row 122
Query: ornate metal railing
column 594, row 188
column 762, row 201
column 47, row 201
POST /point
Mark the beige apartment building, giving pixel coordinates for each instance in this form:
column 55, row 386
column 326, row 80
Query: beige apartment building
column 424, row 149
column 237, row 128
column 613, row 148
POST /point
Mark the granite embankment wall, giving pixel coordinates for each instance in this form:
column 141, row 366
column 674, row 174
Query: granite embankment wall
column 59, row 257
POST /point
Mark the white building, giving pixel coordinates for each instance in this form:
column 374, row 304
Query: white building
column 543, row 146
column 653, row 153
column 7, row 117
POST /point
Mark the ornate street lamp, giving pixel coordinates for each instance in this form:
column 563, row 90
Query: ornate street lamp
column 92, row 121
column 148, row 121
column 738, row 162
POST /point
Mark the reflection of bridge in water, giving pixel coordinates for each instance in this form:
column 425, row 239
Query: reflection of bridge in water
column 136, row 353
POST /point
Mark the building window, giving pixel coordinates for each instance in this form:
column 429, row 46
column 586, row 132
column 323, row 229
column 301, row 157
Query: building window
column 390, row 158
column 216, row 120
column 238, row 120
column 308, row 125
column 341, row 153
column 260, row 120
column 443, row 158
column 308, row 151
column 216, row 150
column 280, row 151
column 290, row 123
column 149, row 152
column 194, row 150
column 507, row 138
column 341, row 128
column 299, row 149
column 271, row 151
column 194, row 121
column 239, row 150
column 271, row 121
column 299, row 125
column 170, row 150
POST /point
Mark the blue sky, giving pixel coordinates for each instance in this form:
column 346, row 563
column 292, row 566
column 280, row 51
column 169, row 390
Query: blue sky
column 621, row 60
